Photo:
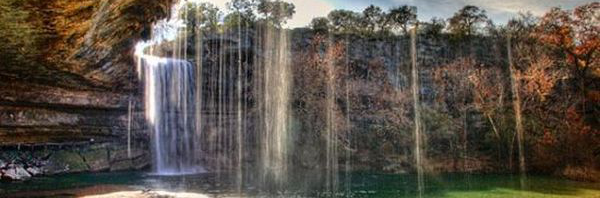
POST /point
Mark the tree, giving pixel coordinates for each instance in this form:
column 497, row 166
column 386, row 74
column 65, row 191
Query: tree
column 544, row 69
column 245, row 7
column 491, row 29
column 201, row 15
column 575, row 35
column 488, row 97
column 319, row 68
column 276, row 12
column 434, row 27
column 466, row 21
column 521, row 27
column 539, row 79
column 403, row 17
column 320, row 24
column 374, row 19
column 235, row 20
column 344, row 20
column 242, row 13
column 454, row 93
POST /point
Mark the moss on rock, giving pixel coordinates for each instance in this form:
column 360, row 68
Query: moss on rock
column 66, row 162
column 96, row 159
column 122, row 165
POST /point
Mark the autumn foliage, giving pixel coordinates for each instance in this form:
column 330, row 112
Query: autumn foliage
column 469, row 101
column 575, row 33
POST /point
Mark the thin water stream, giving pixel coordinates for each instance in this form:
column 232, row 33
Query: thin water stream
column 417, row 113
column 516, row 99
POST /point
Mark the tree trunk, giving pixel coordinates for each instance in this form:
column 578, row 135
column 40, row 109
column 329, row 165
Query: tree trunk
column 511, row 151
column 465, row 141
column 498, row 139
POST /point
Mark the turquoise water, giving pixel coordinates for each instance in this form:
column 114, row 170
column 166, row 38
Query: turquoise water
column 359, row 185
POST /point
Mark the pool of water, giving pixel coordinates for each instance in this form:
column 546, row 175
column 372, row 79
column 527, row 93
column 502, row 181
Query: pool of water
column 356, row 185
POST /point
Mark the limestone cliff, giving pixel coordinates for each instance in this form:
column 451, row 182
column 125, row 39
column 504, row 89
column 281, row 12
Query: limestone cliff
column 67, row 84
column 67, row 67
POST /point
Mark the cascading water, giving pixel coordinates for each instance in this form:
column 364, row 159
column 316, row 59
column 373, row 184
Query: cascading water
column 129, row 120
column 348, row 165
column 172, row 100
column 239, row 110
column 417, row 108
column 330, row 129
column 274, row 96
column 170, row 106
column 187, row 104
column 198, row 78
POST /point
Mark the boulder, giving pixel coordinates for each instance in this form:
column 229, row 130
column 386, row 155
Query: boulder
column 120, row 153
column 65, row 162
column 34, row 171
column 120, row 160
column 122, row 165
column 16, row 173
column 42, row 154
column 10, row 156
column 96, row 159
column 141, row 162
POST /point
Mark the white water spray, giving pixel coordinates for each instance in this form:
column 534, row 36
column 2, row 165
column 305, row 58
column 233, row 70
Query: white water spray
column 171, row 100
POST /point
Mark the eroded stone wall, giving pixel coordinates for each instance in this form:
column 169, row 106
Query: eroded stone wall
column 69, row 100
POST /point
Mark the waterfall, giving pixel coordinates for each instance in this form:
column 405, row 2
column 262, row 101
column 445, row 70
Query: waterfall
column 198, row 103
column 129, row 117
column 201, row 98
column 274, row 96
column 417, row 108
column 330, row 129
column 172, row 99
column 239, row 110
column 348, row 165
column 170, row 109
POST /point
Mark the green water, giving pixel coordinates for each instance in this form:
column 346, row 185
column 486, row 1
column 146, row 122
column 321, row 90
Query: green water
column 457, row 185
column 360, row 185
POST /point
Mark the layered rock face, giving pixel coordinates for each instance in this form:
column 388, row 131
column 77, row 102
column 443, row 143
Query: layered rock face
column 69, row 101
column 27, row 161
column 379, row 132
column 76, row 43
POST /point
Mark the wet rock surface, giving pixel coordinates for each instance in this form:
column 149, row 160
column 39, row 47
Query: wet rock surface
column 39, row 161
column 96, row 159
column 34, row 171
column 66, row 162
column 15, row 172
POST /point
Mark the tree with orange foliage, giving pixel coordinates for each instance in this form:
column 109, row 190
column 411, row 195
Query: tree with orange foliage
column 319, row 72
column 569, row 39
column 488, row 94
column 576, row 35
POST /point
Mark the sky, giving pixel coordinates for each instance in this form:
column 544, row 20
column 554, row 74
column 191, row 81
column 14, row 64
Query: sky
column 500, row 11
